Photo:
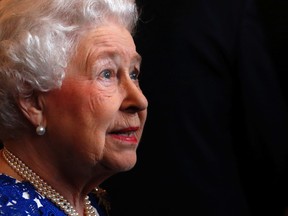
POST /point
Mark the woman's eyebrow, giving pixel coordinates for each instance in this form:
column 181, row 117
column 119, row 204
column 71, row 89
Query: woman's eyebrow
column 116, row 57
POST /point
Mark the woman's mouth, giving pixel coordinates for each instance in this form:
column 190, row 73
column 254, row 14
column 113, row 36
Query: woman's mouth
column 126, row 134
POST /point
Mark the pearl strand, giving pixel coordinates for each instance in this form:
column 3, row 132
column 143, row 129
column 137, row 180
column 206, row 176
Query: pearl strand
column 43, row 188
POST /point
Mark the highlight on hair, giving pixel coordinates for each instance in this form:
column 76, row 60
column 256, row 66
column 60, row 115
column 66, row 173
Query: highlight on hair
column 37, row 38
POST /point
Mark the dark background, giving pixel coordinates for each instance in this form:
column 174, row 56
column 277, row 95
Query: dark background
column 215, row 142
column 275, row 21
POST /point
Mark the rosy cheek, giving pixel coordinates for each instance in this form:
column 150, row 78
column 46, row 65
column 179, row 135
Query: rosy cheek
column 69, row 97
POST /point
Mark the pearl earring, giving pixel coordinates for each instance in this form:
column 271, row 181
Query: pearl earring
column 40, row 130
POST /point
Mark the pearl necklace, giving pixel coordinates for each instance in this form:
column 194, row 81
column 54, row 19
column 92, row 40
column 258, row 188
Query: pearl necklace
column 43, row 188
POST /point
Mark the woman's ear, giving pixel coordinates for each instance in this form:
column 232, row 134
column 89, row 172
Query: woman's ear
column 32, row 108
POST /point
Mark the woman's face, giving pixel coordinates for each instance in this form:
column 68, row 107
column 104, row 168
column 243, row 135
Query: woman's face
column 98, row 115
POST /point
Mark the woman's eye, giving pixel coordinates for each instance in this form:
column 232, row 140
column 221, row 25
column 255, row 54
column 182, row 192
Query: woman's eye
column 106, row 74
column 134, row 75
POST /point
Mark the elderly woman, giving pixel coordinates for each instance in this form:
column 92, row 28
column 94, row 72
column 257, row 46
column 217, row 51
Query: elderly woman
column 71, row 109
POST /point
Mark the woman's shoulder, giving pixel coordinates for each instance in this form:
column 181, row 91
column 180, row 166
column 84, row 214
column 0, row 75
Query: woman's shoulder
column 12, row 186
column 21, row 198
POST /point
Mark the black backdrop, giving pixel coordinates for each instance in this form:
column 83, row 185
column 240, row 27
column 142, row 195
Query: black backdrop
column 215, row 142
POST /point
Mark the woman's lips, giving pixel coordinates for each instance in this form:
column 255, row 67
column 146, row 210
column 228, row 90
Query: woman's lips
column 126, row 134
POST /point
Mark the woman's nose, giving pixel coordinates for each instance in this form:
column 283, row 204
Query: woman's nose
column 134, row 100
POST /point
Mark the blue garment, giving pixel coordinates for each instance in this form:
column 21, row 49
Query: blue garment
column 21, row 199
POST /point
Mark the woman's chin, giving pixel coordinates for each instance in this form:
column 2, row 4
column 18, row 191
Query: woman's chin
column 123, row 163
